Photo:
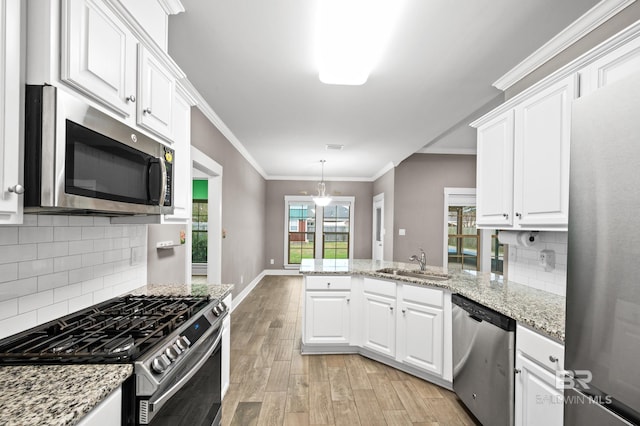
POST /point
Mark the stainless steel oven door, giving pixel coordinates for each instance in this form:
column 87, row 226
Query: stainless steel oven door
column 193, row 396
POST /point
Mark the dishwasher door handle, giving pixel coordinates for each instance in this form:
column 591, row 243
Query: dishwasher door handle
column 473, row 317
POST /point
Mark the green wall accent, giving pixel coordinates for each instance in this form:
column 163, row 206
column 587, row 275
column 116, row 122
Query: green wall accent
column 200, row 189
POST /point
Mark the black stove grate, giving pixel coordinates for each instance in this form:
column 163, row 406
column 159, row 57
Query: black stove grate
column 116, row 331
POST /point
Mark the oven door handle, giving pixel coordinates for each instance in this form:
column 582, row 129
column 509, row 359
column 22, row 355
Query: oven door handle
column 163, row 181
column 156, row 403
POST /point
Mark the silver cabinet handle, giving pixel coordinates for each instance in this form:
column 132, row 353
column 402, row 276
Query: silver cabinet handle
column 553, row 358
column 328, row 285
column 348, row 300
column 519, row 215
column 404, row 312
column 390, row 308
column 517, row 370
column 17, row 189
column 146, row 111
column 505, row 215
column 131, row 99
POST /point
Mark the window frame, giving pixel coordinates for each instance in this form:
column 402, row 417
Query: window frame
column 319, row 218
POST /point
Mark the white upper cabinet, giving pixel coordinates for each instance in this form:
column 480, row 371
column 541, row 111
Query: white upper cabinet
column 494, row 180
column 611, row 67
column 11, row 138
column 523, row 162
column 156, row 87
column 99, row 55
column 541, row 157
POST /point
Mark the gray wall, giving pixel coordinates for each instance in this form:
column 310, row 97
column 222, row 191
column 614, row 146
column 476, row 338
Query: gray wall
column 385, row 185
column 243, row 205
column 628, row 16
column 275, row 211
column 166, row 266
column 419, row 201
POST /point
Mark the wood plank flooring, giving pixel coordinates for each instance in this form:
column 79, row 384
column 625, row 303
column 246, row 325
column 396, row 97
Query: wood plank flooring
column 273, row 384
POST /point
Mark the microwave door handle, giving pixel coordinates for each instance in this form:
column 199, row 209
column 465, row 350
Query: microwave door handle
column 163, row 182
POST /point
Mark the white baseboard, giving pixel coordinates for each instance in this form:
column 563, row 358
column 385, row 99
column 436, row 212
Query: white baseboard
column 281, row 272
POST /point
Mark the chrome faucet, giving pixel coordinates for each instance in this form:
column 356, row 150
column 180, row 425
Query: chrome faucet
column 422, row 260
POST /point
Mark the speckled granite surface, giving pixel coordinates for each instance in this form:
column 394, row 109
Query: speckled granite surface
column 63, row 394
column 539, row 310
column 55, row 394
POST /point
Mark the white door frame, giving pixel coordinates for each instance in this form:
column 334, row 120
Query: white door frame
column 378, row 202
column 205, row 164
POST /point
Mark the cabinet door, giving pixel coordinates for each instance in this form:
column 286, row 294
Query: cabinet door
column 182, row 163
column 107, row 413
column 421, row 336
column 541, row 170
column 612, row 67
column 156, row 87
column 538, row 402
column 98, row 55
column 11, row 143
column 494, row 175
column 327, row 317
column 379, row 321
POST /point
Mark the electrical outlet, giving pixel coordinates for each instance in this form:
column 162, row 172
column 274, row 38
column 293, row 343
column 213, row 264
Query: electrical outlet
column 271, row 261
column 241, row 279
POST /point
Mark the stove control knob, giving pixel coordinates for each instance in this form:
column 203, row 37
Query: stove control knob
column 183, row 343
column 177, row 348
column 159, row 364
column 224, row 306
column 216, row 311
column 171, row 353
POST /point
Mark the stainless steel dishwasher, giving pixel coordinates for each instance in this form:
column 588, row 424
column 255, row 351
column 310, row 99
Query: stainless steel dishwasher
column 483, row 361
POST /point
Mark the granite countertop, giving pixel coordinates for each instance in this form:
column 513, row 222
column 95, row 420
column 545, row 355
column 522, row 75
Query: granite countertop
column 63, row 394
column 541, row 311
column 55, row 394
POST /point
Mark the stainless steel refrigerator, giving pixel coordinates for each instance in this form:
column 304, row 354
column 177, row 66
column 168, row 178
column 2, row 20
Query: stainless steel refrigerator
column 603, row 288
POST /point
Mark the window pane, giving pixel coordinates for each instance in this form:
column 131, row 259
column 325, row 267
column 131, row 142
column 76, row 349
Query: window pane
column 199, row 231
column 336, row 229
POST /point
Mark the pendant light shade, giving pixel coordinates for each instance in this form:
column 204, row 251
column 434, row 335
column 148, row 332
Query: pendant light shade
column 322, row 199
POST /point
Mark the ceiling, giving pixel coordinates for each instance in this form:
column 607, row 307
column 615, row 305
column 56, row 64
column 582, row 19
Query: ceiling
column 253, row 62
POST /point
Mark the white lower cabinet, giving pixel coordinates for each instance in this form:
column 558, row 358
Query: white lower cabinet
column 379, row 320
column 420, row 329
column 107, row 413
column 537, row 400
column 327, row 310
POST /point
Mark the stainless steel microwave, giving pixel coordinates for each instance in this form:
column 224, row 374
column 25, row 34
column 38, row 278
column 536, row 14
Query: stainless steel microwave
column 79, row 160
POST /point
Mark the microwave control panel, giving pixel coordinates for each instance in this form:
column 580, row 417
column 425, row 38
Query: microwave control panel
column 168, row 161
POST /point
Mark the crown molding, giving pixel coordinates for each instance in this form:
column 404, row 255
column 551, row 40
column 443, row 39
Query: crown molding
column 383, row 171
column 593, row 18
column 448, row 151
column 172, row 7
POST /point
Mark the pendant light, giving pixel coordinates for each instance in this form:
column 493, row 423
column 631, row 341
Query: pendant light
column 322, row 199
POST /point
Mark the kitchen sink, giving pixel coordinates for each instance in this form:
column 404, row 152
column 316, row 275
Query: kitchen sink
column 423, row 275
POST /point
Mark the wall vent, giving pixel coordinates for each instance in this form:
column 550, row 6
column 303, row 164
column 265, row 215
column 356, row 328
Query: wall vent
column 334, row 147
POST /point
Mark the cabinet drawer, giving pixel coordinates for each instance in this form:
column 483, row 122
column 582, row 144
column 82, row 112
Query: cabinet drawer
column 540, row 348
column 328, row 282
column 423, row 295
column 385, row 288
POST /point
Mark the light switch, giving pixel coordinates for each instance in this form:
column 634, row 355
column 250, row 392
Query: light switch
column 402, row 231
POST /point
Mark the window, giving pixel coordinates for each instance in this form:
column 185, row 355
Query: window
column 334, row 236
column 463, row 238
column 497, row 254
column 199, row 220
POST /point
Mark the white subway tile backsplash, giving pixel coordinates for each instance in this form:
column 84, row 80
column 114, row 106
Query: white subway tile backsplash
column 8, row 235
column 523, row 266
column 18, row 253
column 33, row 268
column 17, row 288
column 8, row 308
column 67, row 233
column 18, row 323
column 8, row 272
column 67, row 262
column 35, row 234
column 35, row 301
column 52, row 312
column 58, row 249
column 80, row 220
column 53, row 265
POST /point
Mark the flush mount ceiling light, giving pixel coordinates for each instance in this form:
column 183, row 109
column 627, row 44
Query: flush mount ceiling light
column 350, row 37
column 322, row 199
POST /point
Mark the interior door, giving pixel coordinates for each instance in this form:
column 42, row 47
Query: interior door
column 378, row 227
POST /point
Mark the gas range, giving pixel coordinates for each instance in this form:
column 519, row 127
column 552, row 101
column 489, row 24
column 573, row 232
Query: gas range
column 168, row 339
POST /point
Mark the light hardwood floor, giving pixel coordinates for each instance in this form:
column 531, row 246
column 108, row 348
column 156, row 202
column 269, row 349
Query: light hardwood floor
column 273, row 384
